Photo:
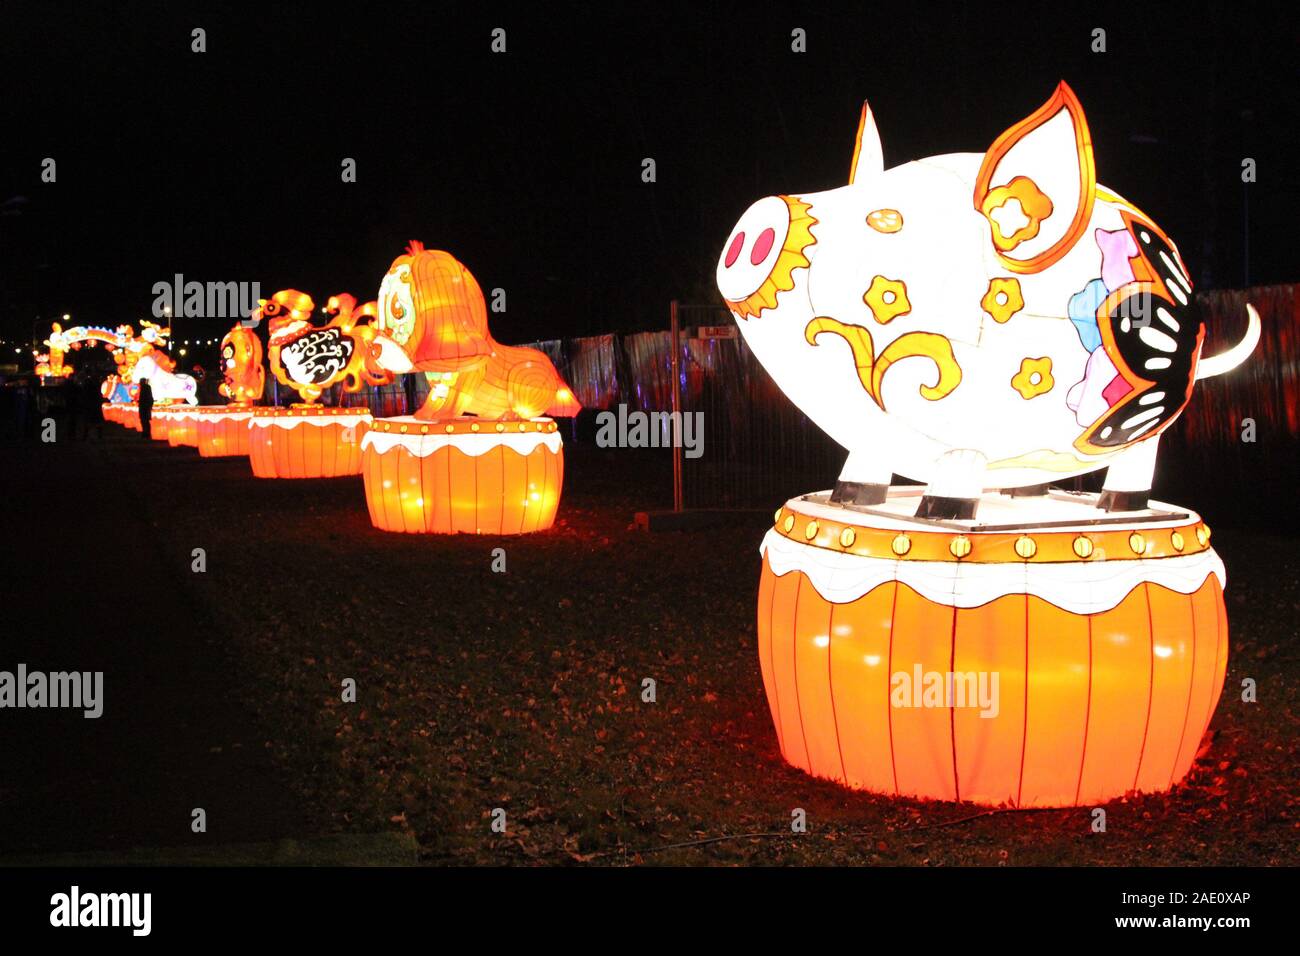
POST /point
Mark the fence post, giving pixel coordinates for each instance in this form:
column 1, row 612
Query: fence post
column 674, row 366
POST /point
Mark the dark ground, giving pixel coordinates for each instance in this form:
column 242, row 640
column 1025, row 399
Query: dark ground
column 480, row 690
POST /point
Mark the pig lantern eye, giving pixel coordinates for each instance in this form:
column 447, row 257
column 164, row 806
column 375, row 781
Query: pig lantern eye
column 765, row 248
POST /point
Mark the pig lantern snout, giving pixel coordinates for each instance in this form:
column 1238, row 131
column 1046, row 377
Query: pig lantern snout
column 765, row 247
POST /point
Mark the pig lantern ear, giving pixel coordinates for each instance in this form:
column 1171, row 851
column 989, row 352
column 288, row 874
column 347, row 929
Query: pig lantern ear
column 868, row 160
column 1037, row 184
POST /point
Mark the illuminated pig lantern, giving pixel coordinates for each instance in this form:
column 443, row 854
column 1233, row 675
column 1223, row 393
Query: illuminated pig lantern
column 975, row 320
column 308, row 440
column 480, row 456
column 983, row 322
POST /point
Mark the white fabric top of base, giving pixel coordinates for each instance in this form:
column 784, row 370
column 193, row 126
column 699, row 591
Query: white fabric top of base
column 320, row 421
column 1084, row 587
column 467, row 443
column 222, row 416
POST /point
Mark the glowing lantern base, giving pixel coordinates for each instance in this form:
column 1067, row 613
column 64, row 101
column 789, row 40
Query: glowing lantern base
column 159, row 423
column 126, row 415
column 223, row 430
column 463, row 475
column 310, row 442
column 1062, row 658
column 182, row 426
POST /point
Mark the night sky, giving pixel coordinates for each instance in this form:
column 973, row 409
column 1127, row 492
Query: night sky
column 225, row 166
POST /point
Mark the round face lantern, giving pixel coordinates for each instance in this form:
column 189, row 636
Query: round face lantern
column 241, row 366
column 974, row 320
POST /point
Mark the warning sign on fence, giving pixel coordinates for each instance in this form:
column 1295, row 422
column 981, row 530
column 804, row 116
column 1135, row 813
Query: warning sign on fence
column 715, row 332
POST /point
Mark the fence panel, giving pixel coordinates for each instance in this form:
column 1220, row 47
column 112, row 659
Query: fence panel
column 758, row 449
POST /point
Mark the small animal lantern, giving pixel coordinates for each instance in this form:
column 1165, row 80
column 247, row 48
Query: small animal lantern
column 994, row 320
column 310, row 358
column 241, row 366
column 433, row 319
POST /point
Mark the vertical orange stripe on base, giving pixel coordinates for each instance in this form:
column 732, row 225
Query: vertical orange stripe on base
column 1221, row 646
column 1204, row 690
column 1057, row 705
column 1173, row 645
column 812, row 672
column 464, row 492
column 1121, row 691
column 922, row 735
column 766, row 590
column 859, row 661
column 389, row 477
column 369, row 460
column 489, row 474
column 785, row 599
column 989, row 738
column 410, row 492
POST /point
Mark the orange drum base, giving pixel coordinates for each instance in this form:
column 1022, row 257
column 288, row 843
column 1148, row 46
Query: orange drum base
column 182, row 431
column 223, row 435
column 1014, row 701
column 306, row 444
column 463, row 476
column 158, row 426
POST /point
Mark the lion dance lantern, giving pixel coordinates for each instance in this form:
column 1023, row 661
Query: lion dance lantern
column 308, row 440
column 983, row 321
column 481, row 455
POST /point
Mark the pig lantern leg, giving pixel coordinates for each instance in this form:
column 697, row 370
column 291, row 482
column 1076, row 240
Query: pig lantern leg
column 955, row 491
column 864, row 480
column 1128, row 479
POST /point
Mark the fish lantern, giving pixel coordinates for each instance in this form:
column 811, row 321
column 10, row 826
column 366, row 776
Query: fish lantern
column 983, row 323
column 308, row 440
column 482, row 454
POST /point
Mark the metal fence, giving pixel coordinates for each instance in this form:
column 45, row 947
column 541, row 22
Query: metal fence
column 759, row 449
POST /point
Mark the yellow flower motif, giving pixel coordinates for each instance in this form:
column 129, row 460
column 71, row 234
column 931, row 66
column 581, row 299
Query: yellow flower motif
column 887, row 299
column 1034, row 378
column 1003, row 299
column 1012, row 225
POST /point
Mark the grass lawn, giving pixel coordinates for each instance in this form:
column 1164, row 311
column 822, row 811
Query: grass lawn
column 522, row 690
